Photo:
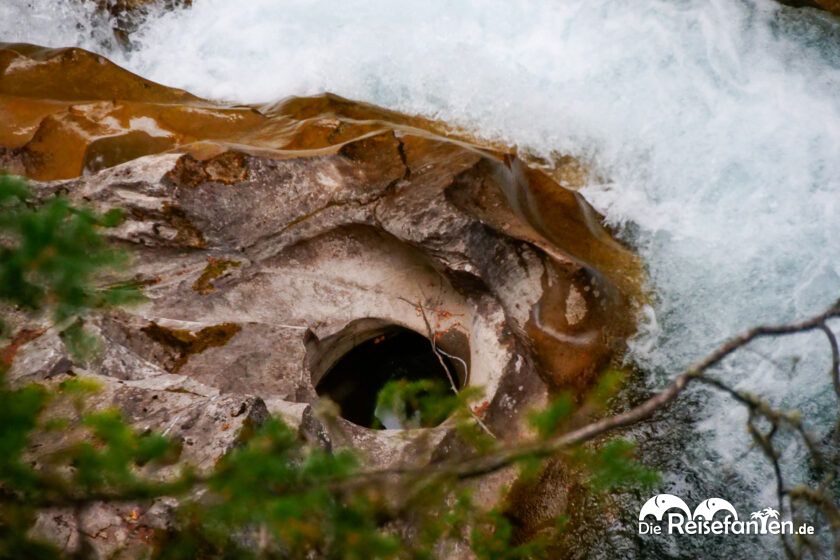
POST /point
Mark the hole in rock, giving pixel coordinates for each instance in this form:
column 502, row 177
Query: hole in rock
column 392, row 380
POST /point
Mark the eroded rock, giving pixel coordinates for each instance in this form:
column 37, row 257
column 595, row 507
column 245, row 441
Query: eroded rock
column 272, row 239
column 831, row 6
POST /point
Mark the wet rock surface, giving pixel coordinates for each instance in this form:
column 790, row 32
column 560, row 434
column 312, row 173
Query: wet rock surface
column 831, row 6
column 271, row 240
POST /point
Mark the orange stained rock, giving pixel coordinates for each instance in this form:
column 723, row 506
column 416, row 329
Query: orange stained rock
column 64, row 112
column 67, row 112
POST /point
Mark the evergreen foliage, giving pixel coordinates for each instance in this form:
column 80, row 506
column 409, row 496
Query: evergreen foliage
column 274, row 496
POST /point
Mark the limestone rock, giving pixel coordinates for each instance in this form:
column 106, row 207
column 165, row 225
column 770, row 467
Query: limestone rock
column 271, row 240
column 831, row 6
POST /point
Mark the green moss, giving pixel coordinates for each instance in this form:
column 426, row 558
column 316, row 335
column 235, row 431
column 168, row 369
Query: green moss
column 188, row 234
column 184, row 343
column 214, row 269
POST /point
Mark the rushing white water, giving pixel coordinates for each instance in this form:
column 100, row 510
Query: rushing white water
column 717, row 122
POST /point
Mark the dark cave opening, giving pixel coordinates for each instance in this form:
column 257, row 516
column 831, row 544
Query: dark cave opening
column 355, row 380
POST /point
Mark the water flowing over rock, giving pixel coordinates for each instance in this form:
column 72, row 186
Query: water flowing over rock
column 272, row 240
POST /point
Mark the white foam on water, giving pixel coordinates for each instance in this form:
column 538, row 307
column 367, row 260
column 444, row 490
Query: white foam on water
column 716, row 121
column 41, row 22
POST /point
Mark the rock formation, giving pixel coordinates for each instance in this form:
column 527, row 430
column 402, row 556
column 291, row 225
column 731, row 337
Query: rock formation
column 831, row 6
column 272, row 240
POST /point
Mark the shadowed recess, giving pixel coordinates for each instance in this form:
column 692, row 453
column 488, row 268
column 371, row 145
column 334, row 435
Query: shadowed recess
column 354, row 382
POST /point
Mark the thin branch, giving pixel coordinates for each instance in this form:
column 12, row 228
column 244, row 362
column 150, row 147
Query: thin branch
column 510, row 454
column 835, row 358
column 505, row 456
column 431, row 335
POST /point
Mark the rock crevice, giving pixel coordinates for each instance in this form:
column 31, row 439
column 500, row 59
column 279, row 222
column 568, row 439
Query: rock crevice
column 262, row 236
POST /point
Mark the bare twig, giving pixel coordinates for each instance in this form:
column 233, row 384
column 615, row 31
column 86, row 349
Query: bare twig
column 820, row 497
column 509, row 454
column 431, row 335
column 835, row 358
column 504, row 456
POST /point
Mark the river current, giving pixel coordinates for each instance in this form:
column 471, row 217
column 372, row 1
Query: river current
column 714, row 126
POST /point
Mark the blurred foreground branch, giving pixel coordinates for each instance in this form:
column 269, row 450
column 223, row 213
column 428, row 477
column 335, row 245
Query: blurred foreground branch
column 275, row 496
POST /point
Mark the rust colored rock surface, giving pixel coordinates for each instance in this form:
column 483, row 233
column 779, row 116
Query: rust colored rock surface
column 831, row 6
column 272, row 239
column 246, row 185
